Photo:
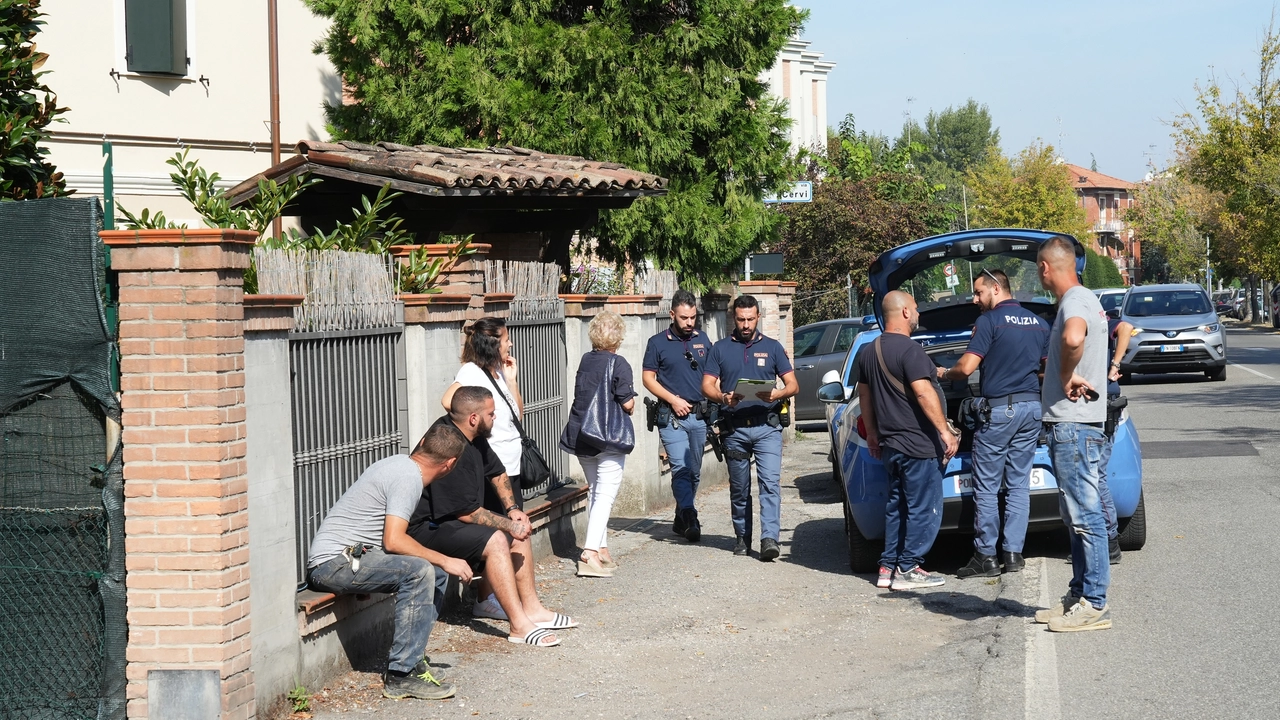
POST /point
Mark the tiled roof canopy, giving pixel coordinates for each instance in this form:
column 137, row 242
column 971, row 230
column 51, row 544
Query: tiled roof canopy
column 441, row 171
column 1084, row 178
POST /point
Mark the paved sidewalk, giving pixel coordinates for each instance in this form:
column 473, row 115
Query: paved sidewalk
column 692, row 631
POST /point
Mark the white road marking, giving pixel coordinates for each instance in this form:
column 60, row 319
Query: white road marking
column 1250, row 370
column 1042, row 701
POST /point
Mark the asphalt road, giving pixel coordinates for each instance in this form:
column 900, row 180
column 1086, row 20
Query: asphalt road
column 691, row 631
column 1195, row 624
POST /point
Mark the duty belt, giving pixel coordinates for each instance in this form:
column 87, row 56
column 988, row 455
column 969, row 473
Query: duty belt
column 747, row 422
column 1014, row 398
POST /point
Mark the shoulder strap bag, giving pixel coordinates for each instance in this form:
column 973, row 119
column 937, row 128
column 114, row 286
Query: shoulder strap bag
column 605, row 425
column 534, row 469
column 898, row 385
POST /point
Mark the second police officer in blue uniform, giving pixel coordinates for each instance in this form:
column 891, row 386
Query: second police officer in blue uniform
column 672, row 371
column 753, row 422
column 1009, row 344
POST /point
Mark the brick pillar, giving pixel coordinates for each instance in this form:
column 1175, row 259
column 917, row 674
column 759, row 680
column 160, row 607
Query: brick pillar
column 186, row 502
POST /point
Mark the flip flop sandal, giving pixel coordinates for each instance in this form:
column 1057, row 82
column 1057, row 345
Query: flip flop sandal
column 560, row 622
column 536, row 637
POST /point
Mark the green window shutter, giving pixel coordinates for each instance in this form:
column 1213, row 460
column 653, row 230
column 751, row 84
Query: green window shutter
column 155, row 34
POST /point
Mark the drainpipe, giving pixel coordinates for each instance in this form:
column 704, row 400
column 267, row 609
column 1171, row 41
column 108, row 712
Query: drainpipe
column 273, row 59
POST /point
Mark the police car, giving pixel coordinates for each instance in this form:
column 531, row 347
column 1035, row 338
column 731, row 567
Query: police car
column 938, row 272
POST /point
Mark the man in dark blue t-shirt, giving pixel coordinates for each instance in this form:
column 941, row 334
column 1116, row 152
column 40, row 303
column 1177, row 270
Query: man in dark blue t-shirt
column 752, row 416
column 1009, row 345
column 672, row 371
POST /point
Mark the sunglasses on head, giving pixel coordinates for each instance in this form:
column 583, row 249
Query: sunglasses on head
column 988, row 274
column 693, row 364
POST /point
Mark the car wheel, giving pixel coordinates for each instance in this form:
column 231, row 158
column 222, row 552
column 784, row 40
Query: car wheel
column 835, row 467
column 1218, row 373
column 1133, row 530
column 864, row 554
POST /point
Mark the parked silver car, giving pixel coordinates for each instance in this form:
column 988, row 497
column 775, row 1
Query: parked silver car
column 1175, row 329
column 820, row 347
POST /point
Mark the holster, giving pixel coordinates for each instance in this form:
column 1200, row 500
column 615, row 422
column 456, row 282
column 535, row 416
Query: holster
column 1115, row 409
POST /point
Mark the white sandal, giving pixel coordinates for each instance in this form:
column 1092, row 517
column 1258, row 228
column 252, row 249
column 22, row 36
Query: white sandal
column 538, row 637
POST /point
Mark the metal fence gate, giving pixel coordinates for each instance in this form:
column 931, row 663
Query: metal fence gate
column 347, row 367
column 536, row 327
column 350, row 409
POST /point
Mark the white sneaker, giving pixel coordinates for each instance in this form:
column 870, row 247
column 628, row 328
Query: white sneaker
column 489, row 608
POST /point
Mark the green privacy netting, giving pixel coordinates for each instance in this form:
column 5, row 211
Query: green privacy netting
column 62, row 604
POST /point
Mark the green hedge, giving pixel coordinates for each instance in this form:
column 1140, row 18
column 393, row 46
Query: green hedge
column 1100, row 272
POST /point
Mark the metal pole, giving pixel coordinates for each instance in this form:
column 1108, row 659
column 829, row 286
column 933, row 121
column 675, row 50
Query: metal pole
column 273, row 55
column 746, row 268
column 108, row 187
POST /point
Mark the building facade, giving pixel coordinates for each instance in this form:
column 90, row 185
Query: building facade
column 1105, row 200
column 156, row 76
column 800, row 78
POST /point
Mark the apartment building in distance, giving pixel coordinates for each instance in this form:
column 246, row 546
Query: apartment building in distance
column 1104, row 199
column 800, row 77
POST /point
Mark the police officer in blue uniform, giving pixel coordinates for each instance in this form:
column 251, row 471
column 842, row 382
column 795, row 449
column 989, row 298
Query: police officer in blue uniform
column 1009, row 344
column 753, row 422
column 672, row 372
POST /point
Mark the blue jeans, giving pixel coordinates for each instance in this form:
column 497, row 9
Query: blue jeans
column 1108, row 504
column 685, row 439
column 765, row 443
column 914, row 511
column 1004, row 450
column 1076, row 449
column 419, row 588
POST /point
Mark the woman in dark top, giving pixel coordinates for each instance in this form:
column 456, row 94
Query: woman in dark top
column 603, row 467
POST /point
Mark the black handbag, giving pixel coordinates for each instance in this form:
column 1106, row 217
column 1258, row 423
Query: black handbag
column 534, row 470
column 605, row 424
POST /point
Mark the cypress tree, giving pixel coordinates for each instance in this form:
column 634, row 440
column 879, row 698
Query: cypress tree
column 668, row 87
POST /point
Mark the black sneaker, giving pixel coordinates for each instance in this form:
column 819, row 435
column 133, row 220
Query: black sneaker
column 1113, row 548
column 979, row 564
column 678, row 526
column 743, row 547
column 396, row 687
column 1012, row 561
column 769, row 550
column 692, row 528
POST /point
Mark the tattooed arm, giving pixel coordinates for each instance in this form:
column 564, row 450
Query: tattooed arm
column 486, row 518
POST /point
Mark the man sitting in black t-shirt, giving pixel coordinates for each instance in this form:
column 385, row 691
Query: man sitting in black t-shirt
column 451, row 520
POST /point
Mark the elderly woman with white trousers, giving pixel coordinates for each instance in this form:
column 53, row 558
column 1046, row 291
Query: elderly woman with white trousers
column 601, row 465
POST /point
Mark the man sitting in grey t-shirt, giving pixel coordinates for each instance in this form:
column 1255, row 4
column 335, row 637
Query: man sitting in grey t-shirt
column 363, row 546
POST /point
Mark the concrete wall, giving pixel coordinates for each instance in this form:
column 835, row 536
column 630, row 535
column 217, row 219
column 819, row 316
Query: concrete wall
column 272, row 538
column 432, row 359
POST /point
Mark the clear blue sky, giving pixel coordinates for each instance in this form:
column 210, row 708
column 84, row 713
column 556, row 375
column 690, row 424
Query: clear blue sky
column 1115, row 73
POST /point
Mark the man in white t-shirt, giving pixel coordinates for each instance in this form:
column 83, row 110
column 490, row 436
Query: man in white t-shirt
column 363, row 546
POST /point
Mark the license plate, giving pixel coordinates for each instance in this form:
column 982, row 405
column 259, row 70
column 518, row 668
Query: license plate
column 1171, row 348
column 1037, row 478
column 964, row 484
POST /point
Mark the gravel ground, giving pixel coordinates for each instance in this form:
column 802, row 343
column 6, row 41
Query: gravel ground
column 691, row 631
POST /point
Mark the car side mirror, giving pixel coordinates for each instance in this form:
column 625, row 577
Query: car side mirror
column 1114, row 313
column 832, row 392
column 869, row 322
column 831, row 376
